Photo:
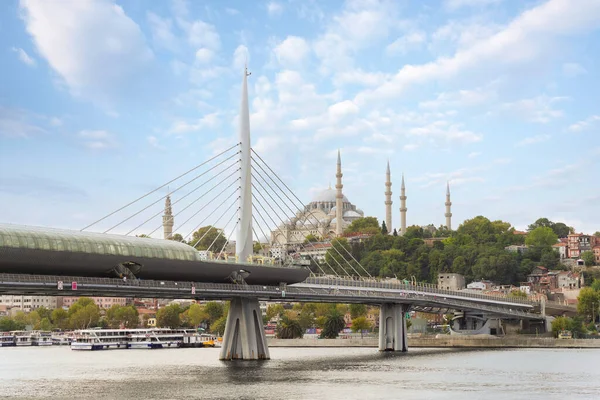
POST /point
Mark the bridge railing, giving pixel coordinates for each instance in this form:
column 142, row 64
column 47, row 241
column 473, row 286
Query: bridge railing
column 423, row 287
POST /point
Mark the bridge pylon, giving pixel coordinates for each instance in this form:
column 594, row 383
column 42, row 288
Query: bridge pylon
column 244, row 337
column 392, row 327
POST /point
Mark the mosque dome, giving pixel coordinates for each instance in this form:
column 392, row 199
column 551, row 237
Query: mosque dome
column 327, row 195
column 352, row 214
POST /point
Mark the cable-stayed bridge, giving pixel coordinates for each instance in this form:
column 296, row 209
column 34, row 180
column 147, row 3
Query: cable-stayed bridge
column 235, row 191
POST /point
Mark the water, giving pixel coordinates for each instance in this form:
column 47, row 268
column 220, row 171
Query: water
column 306, row 373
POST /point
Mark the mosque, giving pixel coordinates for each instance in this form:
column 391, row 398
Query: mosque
column 326, row 216
column 330, row 212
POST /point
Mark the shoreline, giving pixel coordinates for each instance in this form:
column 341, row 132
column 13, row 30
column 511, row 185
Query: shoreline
column 447, row 342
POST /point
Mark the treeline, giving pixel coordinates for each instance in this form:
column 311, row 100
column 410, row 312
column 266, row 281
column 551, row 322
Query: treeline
column 476, row 250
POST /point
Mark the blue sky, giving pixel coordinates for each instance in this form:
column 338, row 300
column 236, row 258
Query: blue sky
column 102, row 100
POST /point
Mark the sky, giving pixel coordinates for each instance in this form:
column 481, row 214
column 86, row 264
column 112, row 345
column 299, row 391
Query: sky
column 103, row 100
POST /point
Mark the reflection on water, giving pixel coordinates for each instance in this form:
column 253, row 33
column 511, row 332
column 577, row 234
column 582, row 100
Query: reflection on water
column 310, row 373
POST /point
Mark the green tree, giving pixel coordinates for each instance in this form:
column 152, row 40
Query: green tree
column 517, row 294
column 196, row 315
column 214, row 310
column 561, row 229
column 218, row 327
column 43, row 312
column 289, row 328
column 597, row 233
column 83, row 316
column 45, row 324
column 256, row 247
column 9, row 324
column 176, row 237
column 360, row 324
column 358, row 310
column 34, row 319
column 540, row 222
column 143, row 235
column 208, row 236
column 541, row 237
column 306, row 318
column 334, row 323
column 384, row 229
column 60, row 318
column 274, row 310
column 560, row 324
column 339, row 257
column 310, row 238
column 168, row 317
column 366, row 225
column 588, row 303
column 588, row 258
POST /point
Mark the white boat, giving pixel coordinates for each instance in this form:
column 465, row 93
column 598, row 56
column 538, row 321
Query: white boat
column 61, row 339
column 22, row 338
column 7, row 339
column 41, row 338
column 158, row 338
column 100, row 339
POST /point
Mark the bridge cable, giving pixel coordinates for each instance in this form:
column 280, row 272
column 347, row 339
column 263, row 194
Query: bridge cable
column 189, row 193
column 212, row 226
column 198, row 199
column 332, row 246
column 277, row 225
column 160, row 187
column 228, row 237
column 209, row 203
column 222, row 230
column 258, row 224
column 300, row 201
column 168, row 194
column 343, row 269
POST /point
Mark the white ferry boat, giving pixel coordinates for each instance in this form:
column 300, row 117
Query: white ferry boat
column 158, row 338
column 61, row 339
column 41, row 339
column 7, row 339
column 22, row 338
column 199, row 340
column 100, row 339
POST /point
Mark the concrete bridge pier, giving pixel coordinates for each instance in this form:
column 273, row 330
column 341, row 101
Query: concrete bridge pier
column 244, row 337
column 392, row 327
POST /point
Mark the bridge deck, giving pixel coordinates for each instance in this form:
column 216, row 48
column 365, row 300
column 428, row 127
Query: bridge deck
column 305, row 292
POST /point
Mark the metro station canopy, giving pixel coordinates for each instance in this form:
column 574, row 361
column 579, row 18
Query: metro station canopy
column 39, row 238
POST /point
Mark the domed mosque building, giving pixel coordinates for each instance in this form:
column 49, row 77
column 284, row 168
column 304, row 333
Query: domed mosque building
column 319, row 217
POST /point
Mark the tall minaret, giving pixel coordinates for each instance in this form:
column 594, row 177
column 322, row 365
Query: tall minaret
column 168, row 219
column 339, row 198
column 403, row 208
column 448, row 204
column 388, row 199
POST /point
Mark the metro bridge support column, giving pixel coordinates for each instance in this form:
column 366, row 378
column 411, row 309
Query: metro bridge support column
column 392, row 327
column 244, row 337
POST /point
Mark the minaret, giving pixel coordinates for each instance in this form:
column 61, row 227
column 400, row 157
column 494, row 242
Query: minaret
column 168, row 219
column 388, row 199
column 402, row 208
column 448, row 204
column 339, row 198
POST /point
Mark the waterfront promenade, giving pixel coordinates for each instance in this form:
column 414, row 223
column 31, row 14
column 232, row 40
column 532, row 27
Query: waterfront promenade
column 482, row 342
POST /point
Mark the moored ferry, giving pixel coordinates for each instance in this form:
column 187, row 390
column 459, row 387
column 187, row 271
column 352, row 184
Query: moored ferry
column 100, row 339
column 157, row 338
column 22, row 338
column 41, row 338
column 7, row 339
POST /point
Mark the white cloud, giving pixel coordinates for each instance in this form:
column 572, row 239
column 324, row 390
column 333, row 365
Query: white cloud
column 359, row 77
column 274, row 9
column 97, row 139
column 24, row 57
column 153, row 142
column 17, row 124
column 204, row 56
column 410, row 147
column 55, row 121
column 527, row 37
column 456, row 4
column 461, row 98
column 474, row 154
column 533, row 140
column 93, row 45
column 584, row 124
column 573, row 69
column 538, row 109
column 207, row 122
column 445, row 131
column 339, row 110
column 241, row 56
column 162, row 34
column 406, row 43
column 292, row 51
column 231, row 11
column 202, row 34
